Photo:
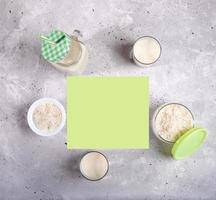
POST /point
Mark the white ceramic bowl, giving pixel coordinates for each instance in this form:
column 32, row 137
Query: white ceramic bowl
column 32, row 109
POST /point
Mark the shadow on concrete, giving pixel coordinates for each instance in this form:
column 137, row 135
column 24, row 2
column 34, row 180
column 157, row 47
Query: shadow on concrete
column 124, row 51
column 71, row 166
column 22, row 118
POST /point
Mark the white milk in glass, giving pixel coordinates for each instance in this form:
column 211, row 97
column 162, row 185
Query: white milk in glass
column 94, row 166
column 146, row 50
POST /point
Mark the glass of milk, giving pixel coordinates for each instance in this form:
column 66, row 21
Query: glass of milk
column 146, row 50
column 94, row 166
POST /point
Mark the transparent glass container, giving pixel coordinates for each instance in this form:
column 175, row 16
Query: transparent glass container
column 155, row 115
column 76, row 60
column 84, row 172
column 74, row 53
column 139, row 50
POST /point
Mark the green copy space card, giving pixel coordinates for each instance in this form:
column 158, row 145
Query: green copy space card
column 107, row 112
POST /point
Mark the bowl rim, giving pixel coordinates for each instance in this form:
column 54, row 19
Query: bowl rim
column 30, row 117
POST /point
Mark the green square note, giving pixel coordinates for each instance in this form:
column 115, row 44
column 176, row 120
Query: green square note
column 107, row 112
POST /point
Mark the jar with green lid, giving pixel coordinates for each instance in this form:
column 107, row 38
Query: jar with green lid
column 64, row 52
column 173, row 123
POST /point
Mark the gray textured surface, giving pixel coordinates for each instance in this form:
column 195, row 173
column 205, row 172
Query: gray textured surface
column 33, row 167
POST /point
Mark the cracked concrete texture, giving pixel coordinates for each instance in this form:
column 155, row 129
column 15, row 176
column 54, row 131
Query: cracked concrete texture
column 41, row 168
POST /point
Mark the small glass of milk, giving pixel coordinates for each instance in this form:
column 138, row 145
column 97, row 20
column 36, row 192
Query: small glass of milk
column 146, row 50
column 94, row 166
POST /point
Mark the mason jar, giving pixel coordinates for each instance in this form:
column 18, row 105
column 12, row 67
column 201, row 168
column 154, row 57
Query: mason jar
column 65, row 52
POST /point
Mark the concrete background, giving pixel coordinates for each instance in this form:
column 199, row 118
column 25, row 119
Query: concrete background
column 35, row 168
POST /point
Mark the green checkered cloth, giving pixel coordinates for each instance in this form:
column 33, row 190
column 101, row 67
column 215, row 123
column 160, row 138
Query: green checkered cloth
column 56, row 53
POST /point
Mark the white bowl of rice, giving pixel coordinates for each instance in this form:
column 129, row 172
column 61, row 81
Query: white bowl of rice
column 46, row 117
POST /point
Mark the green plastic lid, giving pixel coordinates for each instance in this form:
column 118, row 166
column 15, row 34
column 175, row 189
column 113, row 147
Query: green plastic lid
column 188, row 143
column 55, row 46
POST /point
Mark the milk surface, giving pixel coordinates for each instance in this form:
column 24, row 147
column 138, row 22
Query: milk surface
column 93, row 166
column 146, row 50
